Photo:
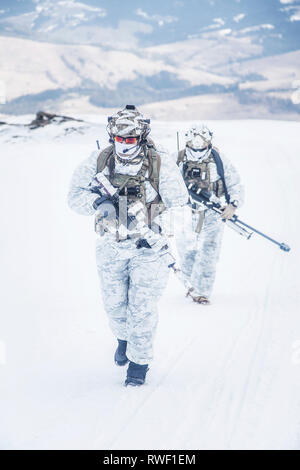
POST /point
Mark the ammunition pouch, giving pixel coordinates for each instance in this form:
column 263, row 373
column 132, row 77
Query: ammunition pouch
column 133, row 186
column 133, row 191
column 198, row 174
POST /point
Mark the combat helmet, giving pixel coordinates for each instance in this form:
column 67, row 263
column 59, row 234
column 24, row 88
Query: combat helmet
column 198, row 137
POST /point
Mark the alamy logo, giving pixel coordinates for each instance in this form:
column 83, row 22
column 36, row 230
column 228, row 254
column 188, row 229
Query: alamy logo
column 2, row 92
column 2, row 353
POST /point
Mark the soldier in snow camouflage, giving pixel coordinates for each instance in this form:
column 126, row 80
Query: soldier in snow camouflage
column 132, row 279
column 199, row 246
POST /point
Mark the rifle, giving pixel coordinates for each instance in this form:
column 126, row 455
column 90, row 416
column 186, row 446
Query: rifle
column 135, row 214
column 210, row 201
column 108, row 193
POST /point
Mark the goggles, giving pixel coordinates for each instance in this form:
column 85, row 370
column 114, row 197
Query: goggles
column 126, row 140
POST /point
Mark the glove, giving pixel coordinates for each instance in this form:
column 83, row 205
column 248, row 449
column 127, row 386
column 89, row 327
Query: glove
column 228, row 211
column 101, row 200
column 105, row 216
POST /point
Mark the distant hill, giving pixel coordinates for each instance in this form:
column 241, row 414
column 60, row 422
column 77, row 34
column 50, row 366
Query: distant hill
column 85, row 57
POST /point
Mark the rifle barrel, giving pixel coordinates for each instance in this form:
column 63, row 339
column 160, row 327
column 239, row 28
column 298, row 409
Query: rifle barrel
column 282, row 246
column 235, row 219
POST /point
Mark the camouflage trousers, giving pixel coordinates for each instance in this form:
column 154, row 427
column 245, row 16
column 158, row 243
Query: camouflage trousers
column 199, row 253
column 132, row 281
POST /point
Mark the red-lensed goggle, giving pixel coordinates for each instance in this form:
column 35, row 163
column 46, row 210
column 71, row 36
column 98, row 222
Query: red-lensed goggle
column 126, row 140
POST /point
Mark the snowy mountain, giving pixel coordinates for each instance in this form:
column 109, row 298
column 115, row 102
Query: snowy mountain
column 103, row 54
column 225, row 376
column 152, row 23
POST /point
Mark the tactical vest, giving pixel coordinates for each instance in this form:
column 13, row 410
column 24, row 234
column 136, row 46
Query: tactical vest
column 198, row 173
column 133, row 186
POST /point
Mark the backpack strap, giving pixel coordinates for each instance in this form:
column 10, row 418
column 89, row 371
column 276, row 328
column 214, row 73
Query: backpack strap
column 154, row 160
column 152, row 157
column 181, row 155
column 103, row 158
column 220, row 170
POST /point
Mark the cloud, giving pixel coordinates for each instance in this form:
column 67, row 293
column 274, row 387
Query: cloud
column 295, row 16
column 160, row 20
column 239, row 17
column 224, row 32
column 259, row 27
column 219, row 21
column 69, row 8
column 294, row 10
column 72, row 6
column 48, row 16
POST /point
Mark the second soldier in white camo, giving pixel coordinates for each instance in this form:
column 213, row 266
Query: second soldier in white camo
column 204, row 168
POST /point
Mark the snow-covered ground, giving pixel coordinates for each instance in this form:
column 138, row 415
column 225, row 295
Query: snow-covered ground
column 225, row 376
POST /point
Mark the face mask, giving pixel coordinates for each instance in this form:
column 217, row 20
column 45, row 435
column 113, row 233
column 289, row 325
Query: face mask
column 197, row 154
column 127, row 150
column 198, row 143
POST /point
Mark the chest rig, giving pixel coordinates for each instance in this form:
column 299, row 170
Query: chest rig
column 198, row 174
column 133, row 186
